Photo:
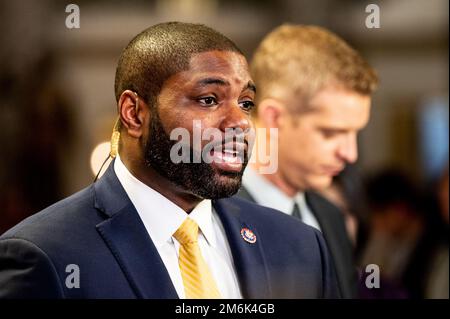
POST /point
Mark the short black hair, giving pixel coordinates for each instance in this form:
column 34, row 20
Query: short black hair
column 161, row 51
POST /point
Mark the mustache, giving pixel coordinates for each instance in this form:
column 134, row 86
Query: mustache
column 240, row 149
column 230, row 140
column 237, row 143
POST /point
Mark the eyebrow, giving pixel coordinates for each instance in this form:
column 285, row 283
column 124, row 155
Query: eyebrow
column 250, row 86
column 222, row 82
column 209, row 81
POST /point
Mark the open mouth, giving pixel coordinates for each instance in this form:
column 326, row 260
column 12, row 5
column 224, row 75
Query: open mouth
column 229, row 157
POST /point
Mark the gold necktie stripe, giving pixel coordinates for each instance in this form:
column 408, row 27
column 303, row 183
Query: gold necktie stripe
column 197, row 279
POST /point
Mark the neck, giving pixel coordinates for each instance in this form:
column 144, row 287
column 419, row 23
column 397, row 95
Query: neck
column 277, row 180
column 154, row 180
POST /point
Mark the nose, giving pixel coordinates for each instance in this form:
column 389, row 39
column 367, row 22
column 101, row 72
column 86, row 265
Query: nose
column 234, row 117
column 348, row 148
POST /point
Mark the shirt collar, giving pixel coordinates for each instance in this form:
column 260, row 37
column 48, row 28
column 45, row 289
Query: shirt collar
column 265, row 193
column 162, row 217
column 202, row 215
column 300, row 199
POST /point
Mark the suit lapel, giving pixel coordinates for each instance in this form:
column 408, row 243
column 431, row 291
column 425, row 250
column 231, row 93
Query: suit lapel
column 126, row 236
column 339, row 246
column 248, row 258
column 321, row 212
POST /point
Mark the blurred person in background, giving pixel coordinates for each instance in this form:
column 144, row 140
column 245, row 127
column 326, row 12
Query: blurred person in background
column 316, row 90
column 38, row 130
column 408, row 236
column 396, row 228
column 437, row 277
column 428, row 273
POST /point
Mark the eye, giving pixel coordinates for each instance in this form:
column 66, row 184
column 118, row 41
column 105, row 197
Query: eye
column 247, row 105
column 330, row 133
column 208, row 101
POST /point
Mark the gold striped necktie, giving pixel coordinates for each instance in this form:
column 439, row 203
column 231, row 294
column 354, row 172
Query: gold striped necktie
column 197, row 278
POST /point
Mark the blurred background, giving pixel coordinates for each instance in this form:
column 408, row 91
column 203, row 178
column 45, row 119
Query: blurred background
column 57, row 106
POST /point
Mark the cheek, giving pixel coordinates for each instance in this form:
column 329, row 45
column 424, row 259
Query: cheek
column 308, row 152
column 319, row 147
column 308, row 144
column 201, row 131
column 174, row 110
column 174, row 119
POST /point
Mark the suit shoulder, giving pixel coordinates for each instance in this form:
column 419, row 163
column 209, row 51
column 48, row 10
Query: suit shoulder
column 26, row 271
column 316, row 200
column 319, row 204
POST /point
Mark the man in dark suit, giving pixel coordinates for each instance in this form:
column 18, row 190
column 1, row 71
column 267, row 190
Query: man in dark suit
column 315, row 91
column 157, row 227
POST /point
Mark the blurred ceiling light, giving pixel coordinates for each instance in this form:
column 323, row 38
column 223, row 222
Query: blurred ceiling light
column 187, row 9
column 98, row 156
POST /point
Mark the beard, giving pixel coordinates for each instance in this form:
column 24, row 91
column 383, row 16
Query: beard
column 200, row 179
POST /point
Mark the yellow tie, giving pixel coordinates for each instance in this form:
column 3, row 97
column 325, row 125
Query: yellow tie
column 197, row 279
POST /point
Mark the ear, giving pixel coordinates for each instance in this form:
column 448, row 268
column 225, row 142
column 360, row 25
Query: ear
column 271, row 113
column 132, row 112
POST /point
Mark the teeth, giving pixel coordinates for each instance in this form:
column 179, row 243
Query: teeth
column 227, row 156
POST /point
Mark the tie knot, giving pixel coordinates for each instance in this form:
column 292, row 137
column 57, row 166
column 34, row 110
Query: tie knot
column 187, row 233
column 296, row 211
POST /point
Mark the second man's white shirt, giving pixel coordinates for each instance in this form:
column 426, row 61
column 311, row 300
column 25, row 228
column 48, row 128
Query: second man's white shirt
column 267, row 194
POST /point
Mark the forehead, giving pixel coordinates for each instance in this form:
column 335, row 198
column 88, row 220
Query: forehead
column 228, row 64
column 341, row 108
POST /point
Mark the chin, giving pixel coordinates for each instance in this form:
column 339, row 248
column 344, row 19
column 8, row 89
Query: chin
column 319, row 183
column 229, row 181
column 221, row 185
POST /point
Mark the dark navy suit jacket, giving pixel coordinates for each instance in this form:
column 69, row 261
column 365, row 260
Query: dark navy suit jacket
column 99, row 230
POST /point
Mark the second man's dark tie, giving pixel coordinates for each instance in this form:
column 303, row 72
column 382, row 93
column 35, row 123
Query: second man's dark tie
column 296, row 211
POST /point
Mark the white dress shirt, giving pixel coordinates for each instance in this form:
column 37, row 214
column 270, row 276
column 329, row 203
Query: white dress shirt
column 267, row 194
column 162, row 218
